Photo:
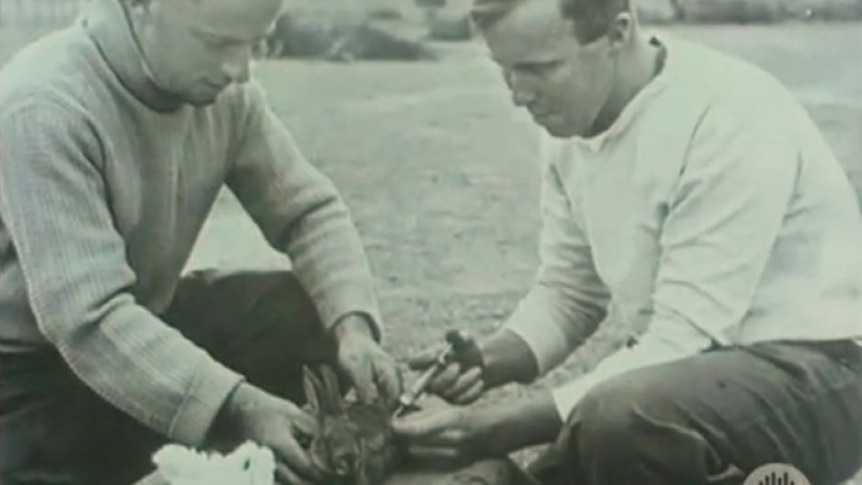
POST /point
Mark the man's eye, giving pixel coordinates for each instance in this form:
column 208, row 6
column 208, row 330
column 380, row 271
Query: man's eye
column 216, row 44
column 260, row 49
column 540, row 67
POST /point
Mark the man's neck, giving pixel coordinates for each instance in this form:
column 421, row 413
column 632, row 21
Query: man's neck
column 110, row 27
column 639, row 66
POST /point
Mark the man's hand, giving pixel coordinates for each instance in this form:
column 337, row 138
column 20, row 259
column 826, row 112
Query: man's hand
column 461, row 381
column 372, row 372
column 252, row 414
column 493, row 361
column 453, row 436
column 460, row 435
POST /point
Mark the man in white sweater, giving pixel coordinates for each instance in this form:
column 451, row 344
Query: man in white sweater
column 687, row 196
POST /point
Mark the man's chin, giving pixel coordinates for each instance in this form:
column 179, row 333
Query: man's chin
column 201, row 101
column 559, row 131
column 204, row 97
column 555, row 126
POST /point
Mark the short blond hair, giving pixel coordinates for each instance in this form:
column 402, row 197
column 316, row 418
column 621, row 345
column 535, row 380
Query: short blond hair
column 486, row 13
column 592, row 18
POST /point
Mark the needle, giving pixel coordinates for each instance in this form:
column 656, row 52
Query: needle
column 456, row 340
column 409, row 398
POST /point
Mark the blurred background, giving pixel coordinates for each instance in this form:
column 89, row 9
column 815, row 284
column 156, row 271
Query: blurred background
column 398, row 103
column 399, row 29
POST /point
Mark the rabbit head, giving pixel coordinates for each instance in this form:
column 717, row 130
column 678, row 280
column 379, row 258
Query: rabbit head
column 354, row 444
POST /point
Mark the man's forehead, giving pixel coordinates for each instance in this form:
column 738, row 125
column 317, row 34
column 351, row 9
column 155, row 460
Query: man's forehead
column 533, row 32
column 239, row 19
column 536, row 17
column 229, row 5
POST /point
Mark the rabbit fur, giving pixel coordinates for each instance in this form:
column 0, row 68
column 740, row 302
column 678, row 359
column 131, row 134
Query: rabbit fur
column 355, row 444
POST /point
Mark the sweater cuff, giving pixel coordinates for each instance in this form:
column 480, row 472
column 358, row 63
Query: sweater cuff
column 537, row 328
column 333, row 308
column 202, row 403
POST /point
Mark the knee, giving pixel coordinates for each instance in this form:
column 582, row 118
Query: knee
column 615, row 416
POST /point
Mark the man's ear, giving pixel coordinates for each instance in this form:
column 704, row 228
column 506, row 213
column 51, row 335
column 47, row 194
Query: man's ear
column 620, row 30
column 138, row 8
column 138, row 4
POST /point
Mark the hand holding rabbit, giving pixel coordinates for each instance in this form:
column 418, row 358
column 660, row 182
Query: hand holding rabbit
column 354, row 443
column 464, row 434
column 251, row 414
column 372, row 372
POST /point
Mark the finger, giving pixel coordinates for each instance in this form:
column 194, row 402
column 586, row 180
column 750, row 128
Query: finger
column 420, row 427
column 423, row 360
column 285, row 476
column 389, row 380
column 470, row 394
column 464, row 382
column 445, row 379
column 436, row 453
column 304, row 422
column 296, row 459
column 361, row 373
column 450, row 437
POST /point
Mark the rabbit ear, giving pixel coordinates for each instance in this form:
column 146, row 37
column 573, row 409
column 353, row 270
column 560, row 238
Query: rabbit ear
column 314, row 389
column 322, row 390
column 331, row 390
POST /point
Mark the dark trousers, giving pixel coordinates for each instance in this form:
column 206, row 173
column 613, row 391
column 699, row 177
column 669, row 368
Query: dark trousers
column 715, row 417
column 55, row 430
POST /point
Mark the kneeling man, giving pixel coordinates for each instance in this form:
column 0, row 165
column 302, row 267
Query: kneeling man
column 688, row 196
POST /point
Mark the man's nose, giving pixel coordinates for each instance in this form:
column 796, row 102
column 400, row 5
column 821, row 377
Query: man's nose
column 522, row 97
column 522, row 94
column 238, row 65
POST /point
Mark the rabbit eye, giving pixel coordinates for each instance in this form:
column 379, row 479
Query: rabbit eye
column 344, row 465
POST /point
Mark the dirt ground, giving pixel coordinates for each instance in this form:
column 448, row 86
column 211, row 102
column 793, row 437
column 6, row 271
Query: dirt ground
column 440, row 172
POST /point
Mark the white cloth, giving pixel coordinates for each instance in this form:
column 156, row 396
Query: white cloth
column 249, row 464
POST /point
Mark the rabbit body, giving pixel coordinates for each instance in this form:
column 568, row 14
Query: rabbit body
column 355, row 443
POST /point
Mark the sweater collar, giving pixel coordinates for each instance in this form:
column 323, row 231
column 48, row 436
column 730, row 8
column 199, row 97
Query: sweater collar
column 108, row 24
column 639, row 102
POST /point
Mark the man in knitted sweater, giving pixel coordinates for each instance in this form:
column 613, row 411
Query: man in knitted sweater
column 117, row 135
column 688, row 197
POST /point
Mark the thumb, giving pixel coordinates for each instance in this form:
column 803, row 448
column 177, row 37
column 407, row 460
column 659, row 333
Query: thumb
column 423, row 360
column 303, row 422
column 362, row 376
column 419, row 425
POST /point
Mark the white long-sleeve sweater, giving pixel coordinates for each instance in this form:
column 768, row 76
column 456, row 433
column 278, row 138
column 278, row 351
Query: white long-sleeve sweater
column 712, row 211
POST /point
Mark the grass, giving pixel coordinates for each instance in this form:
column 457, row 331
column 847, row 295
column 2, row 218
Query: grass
column 441, row 175
column 440, row 172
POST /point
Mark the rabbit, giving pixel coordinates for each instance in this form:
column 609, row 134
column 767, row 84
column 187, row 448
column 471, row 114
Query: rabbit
column 355, row 443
